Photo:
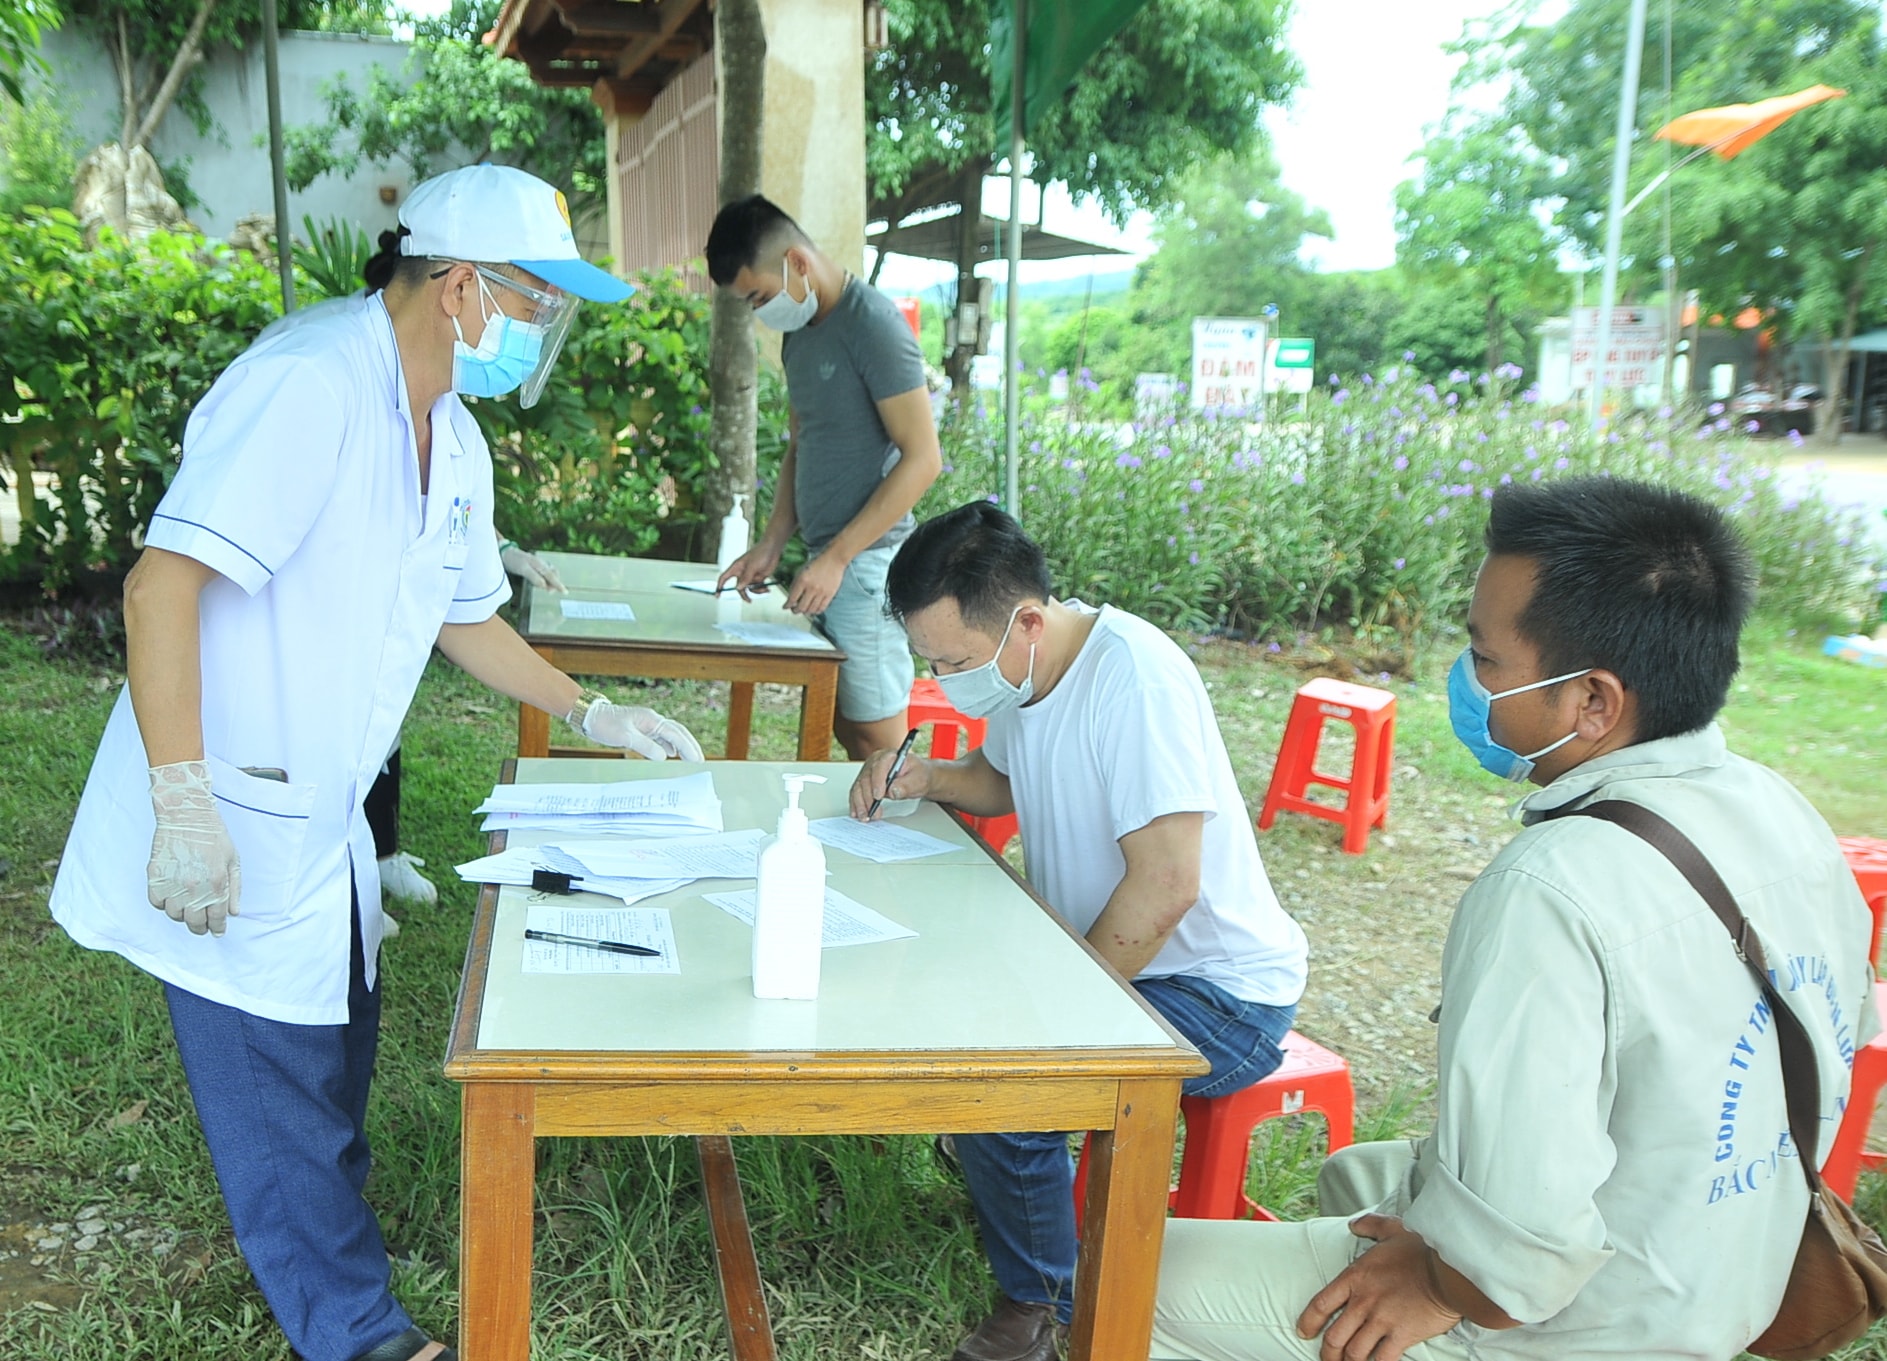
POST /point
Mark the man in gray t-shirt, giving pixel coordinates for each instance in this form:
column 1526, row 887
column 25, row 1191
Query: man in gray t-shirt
column 863, row 449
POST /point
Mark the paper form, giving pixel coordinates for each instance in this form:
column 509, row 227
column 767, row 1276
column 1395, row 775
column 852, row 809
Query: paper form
column 774, row 635
column 648, row 926
column 845, row 922
column 686, row 800
column 596, row 609
column 879, row 841
column 515, row 866
column 724, row 855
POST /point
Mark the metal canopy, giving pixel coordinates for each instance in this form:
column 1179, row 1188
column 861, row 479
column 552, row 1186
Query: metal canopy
column 936, row 239
column 628, row 49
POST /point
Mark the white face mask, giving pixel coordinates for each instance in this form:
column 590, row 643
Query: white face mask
column 781, row 312
column 984, row 690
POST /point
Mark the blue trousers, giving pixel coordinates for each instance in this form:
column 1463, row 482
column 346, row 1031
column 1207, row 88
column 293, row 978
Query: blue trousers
column 1022, row 1185
column 282, row 1108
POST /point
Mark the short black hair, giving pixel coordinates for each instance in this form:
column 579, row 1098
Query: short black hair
column 742, row 230
column 1644, row 581
column 975, row 555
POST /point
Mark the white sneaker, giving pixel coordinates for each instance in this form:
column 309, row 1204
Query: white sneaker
column 401, row 880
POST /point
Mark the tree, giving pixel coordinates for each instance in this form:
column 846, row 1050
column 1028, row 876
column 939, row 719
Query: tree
column 20, row 25
column 733, row 364
column 1472, row 217
column 1182, row 82
column 38, row 154
column 465, row 104
column 1228, row 245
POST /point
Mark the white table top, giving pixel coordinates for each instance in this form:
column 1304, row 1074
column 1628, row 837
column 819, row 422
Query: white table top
column 663, row 615
column 988, row 969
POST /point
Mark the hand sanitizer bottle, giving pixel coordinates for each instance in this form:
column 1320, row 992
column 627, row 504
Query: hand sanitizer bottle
column 789, row 904
column 734, row 537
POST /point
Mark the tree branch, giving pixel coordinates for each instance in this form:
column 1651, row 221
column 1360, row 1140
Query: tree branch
column 188, row 55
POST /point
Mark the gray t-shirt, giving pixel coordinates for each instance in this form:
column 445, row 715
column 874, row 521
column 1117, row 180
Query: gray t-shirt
column 836, row 373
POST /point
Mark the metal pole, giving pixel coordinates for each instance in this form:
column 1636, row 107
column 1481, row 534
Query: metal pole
column 1615, row 221
column 272, row 68
column 1012, row 415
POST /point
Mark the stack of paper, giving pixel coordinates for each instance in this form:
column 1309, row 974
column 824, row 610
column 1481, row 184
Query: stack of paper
column 686, row 804
column 515, row 866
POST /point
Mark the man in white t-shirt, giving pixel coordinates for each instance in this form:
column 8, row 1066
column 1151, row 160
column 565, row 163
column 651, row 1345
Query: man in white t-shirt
column 1103, row 743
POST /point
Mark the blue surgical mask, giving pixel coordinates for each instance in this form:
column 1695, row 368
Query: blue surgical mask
column 1468, row 706
column 984, row 690
column 507, row 353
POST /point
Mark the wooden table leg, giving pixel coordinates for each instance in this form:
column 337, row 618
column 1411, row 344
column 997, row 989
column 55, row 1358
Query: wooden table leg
column 1128, row 1171
column 739, row 719
column 816, row 708
column 748, row 1327
column 497, row 1175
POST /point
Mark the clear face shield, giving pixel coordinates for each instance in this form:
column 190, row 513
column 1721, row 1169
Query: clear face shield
column 548, row 315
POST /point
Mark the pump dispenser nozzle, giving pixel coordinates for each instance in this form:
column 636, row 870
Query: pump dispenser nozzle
column 793, row 818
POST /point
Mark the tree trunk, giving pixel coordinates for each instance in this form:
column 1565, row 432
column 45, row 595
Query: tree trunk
column 181, row 65
column 969, row 226
column 127, row 83
column 733, row 364
column 1492, row 327
column 1837, row 353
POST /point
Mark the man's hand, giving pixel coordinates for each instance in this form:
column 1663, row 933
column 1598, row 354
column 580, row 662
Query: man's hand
column 817, row 582
column 1384, row 1302
column 913, row 781
column 532, row 568
column 751, row 568
column 194, row 875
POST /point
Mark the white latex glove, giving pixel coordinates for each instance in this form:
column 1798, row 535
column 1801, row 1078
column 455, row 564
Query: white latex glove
column 631, row 726
column 195, row 876
column 532, row 568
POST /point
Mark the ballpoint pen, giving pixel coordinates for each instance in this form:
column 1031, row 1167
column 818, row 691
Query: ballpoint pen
column 897, row 766
column 691, row 586
column 614, row 947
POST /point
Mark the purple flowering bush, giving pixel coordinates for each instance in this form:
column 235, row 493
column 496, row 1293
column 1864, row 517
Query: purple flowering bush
column 1365, row 512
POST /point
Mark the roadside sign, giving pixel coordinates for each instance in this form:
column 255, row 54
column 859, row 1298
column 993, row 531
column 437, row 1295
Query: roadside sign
column 1227, row 354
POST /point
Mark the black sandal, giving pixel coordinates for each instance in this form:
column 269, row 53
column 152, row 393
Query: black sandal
column 405, row 1347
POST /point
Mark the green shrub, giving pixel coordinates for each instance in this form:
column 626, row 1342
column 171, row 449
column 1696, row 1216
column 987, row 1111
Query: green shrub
column 1365, row 514
column 107, row 351
column 39, row 154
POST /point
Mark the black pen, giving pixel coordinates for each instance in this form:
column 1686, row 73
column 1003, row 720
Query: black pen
column 615, row 947
column 897, row 765
column 690, row 586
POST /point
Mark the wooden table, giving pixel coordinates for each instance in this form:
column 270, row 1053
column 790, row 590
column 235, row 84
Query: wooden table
column 994, row 1017
column 674, row 636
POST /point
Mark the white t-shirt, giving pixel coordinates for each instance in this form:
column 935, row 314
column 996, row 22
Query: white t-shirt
column 300, row 487
column 1126, row 736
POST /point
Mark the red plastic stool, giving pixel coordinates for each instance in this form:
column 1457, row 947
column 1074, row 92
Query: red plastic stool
column 1366, row 804
column 1867, row 857
column 928, row 705
column 1219, row 1131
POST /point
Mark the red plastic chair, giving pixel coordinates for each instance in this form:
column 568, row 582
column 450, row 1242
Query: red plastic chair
column 1219, row 1131
column 1867, row 857
column 928, row 705
column 1372, row 713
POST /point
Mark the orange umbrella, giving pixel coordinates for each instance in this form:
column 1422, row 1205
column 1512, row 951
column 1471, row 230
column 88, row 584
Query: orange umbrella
column 1736, row 127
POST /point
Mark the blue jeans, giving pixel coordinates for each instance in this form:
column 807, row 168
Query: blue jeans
column 1022, row 1185
column 282, row 1108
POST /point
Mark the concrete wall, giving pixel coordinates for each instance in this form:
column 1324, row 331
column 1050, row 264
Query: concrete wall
column 813, row 158
column 228, row 170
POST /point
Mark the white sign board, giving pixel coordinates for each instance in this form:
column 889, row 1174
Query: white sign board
column 1637, row 348
column 1286, row 378
column 1227, row 355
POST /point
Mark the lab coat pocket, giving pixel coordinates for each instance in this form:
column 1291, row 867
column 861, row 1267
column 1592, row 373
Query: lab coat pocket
column 268, row 821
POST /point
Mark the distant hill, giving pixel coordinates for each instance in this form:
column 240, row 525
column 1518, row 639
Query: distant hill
column 1113, row 283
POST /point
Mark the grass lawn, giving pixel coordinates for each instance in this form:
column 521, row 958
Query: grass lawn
column 867, row 1245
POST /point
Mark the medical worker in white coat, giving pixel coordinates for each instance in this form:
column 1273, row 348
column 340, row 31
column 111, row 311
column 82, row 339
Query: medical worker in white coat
column 330, row 525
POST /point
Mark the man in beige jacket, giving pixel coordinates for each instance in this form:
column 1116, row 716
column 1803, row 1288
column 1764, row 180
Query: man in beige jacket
column 1611, row 1172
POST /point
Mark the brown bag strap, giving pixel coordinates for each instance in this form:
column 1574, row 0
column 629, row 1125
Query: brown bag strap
column 1801, row 1081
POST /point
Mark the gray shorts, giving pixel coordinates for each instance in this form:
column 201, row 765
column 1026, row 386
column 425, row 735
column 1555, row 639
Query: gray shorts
column 875, row 678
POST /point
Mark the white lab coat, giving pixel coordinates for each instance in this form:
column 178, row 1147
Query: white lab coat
column 300, row 487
